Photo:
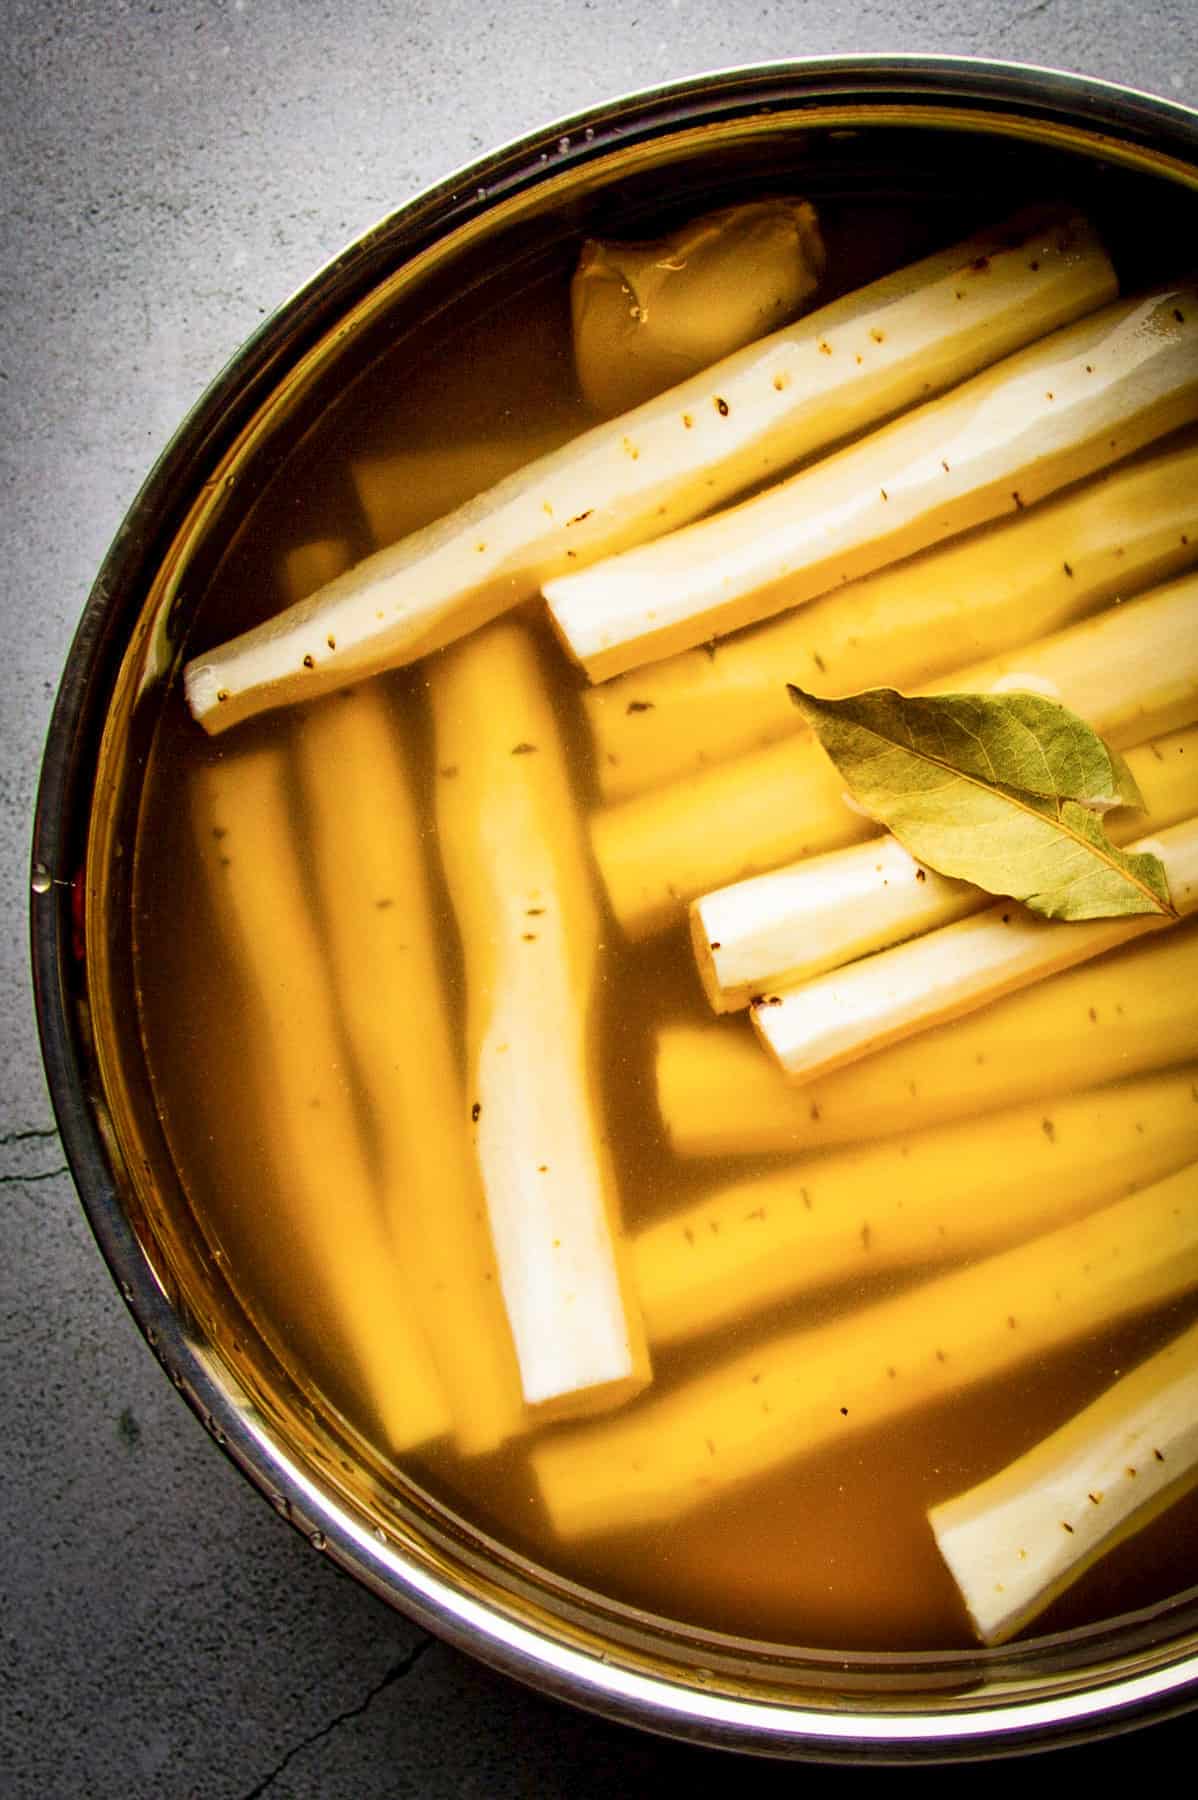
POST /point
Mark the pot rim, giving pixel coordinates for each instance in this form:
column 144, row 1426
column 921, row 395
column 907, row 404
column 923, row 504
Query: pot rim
column 1116, row 119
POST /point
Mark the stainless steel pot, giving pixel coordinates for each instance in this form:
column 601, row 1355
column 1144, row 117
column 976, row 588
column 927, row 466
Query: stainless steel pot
column 867, row 119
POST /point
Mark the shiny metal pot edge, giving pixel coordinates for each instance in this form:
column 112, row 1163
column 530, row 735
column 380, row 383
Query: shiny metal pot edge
column 1118, row 124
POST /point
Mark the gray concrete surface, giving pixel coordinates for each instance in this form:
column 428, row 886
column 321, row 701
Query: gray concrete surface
column 170, row 172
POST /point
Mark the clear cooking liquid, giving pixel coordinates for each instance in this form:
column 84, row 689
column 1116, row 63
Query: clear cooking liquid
column 831, row 1549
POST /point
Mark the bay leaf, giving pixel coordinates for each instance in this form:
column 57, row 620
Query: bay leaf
column 1003, row 790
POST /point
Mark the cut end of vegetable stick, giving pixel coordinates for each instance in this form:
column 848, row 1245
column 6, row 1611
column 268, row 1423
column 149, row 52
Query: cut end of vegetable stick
column 834, row 1019
column 797, row 922
column 1047, row 416
column 951, row 607
column 1017, row 1541
column 663, row 464
column 367, row 620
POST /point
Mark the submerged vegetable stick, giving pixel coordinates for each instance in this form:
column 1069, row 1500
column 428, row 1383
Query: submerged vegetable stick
column 1017, row 1541
column 243, row 831
column 382, row 941
column 1127, row 1013
column 778, row 929
column 1046, row 416
column 382, row 944
column 912, row 333
column 308, row 565
column 784, row 927
column 967, row 1187
column 521, row 888
column 800, row 1391
column 1131, row 672
column 402, row 491
column 835, row 1018
column 648, row 315
column 1005, row 584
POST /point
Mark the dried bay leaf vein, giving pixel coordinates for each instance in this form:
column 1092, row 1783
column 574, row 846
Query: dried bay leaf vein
column 1004, row 790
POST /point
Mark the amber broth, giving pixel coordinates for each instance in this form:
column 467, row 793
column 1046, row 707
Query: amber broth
column 833, row 1551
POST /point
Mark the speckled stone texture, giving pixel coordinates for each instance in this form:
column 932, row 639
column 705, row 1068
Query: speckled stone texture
column 171, row 172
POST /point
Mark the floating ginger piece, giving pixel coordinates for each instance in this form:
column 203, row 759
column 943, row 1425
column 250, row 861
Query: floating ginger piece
column 649, row 315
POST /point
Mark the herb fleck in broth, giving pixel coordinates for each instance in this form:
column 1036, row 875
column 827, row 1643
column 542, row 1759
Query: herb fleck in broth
column 831, row 1550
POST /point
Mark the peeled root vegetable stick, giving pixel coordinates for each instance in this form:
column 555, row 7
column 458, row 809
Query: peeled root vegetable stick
column 969, row 1187
column 801, row 1391
column 1131, row 673
column 832, row 1020
column 799, row 921
column 982, row 594
column 1047, row 416
column 243, row 827
column 785, row 927
column 521, row 887
column 914, row 332
column 1017, row 1541
column 1129, row 1012
column 382, row 942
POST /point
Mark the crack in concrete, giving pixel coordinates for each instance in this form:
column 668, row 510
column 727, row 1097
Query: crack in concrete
column 1019, row 18
column 26, row 1137
column 39, row 1175
column 397, row 1672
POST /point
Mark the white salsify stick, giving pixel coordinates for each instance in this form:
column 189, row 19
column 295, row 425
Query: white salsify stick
column 838, row 1017
column 1017, row 1541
